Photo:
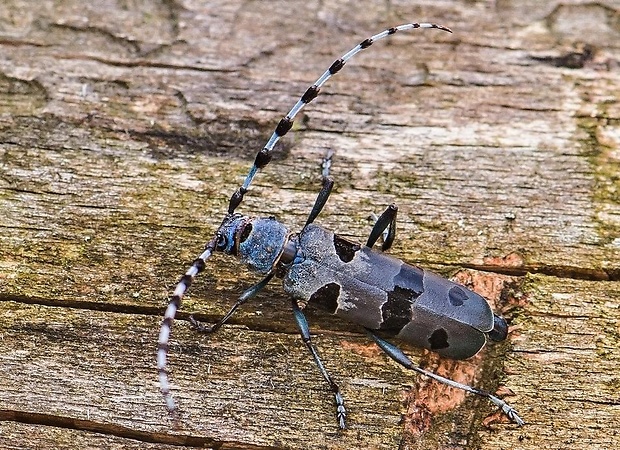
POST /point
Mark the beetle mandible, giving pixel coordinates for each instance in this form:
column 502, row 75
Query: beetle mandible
column 384, row 295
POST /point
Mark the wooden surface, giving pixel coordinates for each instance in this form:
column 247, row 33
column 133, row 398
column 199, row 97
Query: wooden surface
column 126, row 126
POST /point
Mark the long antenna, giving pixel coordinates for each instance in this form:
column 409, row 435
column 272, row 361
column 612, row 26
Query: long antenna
column 264, row 156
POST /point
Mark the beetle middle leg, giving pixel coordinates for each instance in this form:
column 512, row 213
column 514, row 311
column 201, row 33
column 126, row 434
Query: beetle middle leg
column 386, row 221
column 397, row 355
column 302, row 323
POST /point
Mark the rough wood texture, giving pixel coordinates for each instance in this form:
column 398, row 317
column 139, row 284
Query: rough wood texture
column 126, row 125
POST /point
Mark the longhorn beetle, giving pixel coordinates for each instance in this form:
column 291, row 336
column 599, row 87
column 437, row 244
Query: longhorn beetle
column 384, row 295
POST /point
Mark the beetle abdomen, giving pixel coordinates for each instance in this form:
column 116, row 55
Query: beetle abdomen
column 380, row 292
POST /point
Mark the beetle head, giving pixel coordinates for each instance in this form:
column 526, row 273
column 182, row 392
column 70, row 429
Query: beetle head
column 257, row 241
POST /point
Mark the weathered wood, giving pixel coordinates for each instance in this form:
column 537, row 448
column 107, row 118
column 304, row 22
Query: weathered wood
column 125, row 127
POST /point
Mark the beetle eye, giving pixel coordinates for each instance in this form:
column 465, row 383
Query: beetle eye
column 245, row 233
column 221, row 242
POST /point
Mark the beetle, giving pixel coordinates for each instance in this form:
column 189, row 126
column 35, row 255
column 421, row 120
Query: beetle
column 384, row 295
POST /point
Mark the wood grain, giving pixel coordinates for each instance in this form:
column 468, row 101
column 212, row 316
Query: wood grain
column 126, row 126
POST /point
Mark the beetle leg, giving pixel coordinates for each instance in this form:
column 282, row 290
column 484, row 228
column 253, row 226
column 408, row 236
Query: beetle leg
column 397, row 355
column 387, row 220
column 300, row 318
column 321, row 199
column 247, row 294
column 328, row 184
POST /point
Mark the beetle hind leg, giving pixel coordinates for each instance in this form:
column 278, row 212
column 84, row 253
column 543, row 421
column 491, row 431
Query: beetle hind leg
column 302, row 323
column 397, row 355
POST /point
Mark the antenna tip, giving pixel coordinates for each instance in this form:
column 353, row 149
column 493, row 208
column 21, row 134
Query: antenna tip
column 441, row 27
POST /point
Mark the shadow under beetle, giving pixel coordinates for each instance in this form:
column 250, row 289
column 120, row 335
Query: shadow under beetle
column 355, row 282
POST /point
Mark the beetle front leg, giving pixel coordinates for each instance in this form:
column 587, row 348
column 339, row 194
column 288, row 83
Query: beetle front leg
column 326, row 189
column 300, row 318
column 321, row 199
column 247, row 294
column 397, row 355
column 385, row 220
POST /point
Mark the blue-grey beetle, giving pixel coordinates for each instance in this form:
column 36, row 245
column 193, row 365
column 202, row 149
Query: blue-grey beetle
column 387, row 297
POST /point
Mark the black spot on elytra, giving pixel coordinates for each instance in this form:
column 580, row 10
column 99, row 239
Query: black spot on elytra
column 326, row 297
column 410, row 277
column 345, row 249
column 396, row 311
column 439, row 339
column 457, row 296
